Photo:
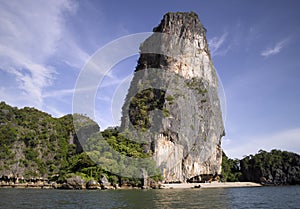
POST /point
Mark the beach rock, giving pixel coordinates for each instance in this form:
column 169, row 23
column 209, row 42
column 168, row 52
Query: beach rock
column 145, row 180
column 74, row 183
column 105, row 184
column 92, row 184
column 154, row 184
column 172, row 105
column 54, row 185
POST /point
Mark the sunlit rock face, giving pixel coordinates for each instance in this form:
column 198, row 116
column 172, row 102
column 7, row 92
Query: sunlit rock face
column 172, row 105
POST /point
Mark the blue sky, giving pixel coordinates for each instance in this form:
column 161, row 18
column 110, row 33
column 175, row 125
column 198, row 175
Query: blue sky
column 255, row 47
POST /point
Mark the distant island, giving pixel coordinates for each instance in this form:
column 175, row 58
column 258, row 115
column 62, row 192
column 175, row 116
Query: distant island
column 37, row 150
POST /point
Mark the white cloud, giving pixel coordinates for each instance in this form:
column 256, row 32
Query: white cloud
column 216, row 45
column 276, row 49
column 64, row 92
column 31, row 33
column 284, row 140
column 226, row 141
column 71, row 53
column 54, row 111
column 113, row 81
column 32, row 77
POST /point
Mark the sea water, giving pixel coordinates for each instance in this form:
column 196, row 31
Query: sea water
column 252, row 197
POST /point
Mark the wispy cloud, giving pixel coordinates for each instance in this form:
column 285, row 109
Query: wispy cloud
column 31, row 35
column 217, row 46
column 64, row 92
column 110, row 83
column 276, row 49
column 32, row 77
column 54, row 111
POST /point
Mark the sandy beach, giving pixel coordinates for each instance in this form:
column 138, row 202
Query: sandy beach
column 210, row 185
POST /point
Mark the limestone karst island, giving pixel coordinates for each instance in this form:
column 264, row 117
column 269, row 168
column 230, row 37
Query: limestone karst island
column 170, row 133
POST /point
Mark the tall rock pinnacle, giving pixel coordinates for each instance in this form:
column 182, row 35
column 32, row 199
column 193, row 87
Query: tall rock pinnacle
column 172, row 105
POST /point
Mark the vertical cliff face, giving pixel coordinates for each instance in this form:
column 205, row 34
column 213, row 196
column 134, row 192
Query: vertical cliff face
column 172, row 105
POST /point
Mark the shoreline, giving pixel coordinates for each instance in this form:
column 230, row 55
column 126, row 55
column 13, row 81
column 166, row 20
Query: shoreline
column 162, row 186
column 211, row 185
column 27, row 186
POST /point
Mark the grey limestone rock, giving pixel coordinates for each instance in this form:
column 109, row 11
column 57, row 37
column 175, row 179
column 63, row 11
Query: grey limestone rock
column 172, row 105
column 105, row 184
column 75, row 182
column 92, row 184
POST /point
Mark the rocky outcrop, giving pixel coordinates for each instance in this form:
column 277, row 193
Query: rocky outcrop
column 105, row 184
column 74, row 183
column 92, row 184
column 172, row 105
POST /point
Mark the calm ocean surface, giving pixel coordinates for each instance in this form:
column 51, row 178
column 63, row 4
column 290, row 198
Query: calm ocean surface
column 255, row 197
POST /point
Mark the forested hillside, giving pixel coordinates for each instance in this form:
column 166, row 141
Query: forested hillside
column 270, row 168
column 35, row 145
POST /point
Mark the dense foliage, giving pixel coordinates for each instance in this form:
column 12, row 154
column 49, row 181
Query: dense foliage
column 35, row 145
column 230, row 169
column 32, row 143
column 142, row 104
column 113, row 152
column 275, row 168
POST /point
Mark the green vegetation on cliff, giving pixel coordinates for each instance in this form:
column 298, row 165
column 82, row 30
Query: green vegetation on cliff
column 143, row 103
column 275, row 168
column 230, row 169
column 35, row 145
column 32, row 143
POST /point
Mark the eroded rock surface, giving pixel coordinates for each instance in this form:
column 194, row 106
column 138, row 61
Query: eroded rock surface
column 172, row 105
